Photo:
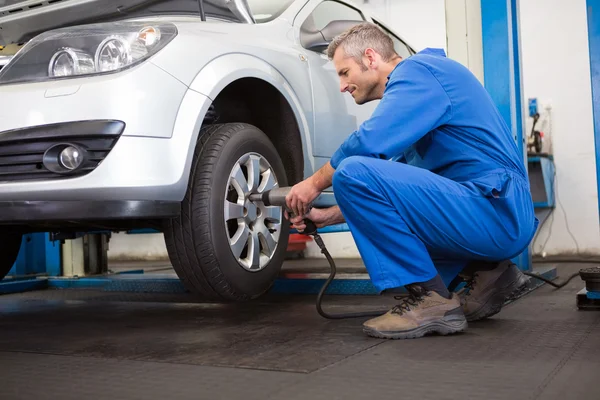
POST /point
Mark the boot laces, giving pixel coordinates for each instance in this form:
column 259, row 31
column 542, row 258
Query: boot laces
column 470, row 285
column 414, row 298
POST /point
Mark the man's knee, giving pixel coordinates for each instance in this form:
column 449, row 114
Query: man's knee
column 350, row 170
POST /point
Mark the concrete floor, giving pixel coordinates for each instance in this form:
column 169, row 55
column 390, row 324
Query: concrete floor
column 92, row 344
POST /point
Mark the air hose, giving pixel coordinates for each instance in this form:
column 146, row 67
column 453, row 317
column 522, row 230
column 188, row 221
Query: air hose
column 549, row 282
column 320, row 310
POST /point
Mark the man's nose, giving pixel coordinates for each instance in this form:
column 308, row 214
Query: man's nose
column 343, row 87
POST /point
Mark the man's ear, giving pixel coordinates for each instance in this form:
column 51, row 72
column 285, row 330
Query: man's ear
column 370, row 57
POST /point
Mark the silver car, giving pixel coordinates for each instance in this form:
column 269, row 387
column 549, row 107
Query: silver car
column 121, row 114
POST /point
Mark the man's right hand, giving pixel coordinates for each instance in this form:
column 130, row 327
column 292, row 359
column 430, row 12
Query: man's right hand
column 301, row 196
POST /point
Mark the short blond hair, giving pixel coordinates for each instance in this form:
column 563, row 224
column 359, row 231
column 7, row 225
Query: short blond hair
column 360, row 37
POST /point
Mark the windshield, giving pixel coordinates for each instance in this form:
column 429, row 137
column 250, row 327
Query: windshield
column 267, row 10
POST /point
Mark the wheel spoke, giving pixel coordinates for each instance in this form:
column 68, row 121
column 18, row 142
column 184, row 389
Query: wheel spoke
column 239, row 240
column 269, row 242
column 272, row 213
column 233, row 210
column 253, row 173
column 269, row 181
column 254, row 251
column 239, row 179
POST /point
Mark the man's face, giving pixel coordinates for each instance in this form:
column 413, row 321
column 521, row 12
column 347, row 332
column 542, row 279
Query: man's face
column 357, row 79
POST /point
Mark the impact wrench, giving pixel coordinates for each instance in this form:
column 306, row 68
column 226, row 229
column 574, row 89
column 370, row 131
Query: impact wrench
column 277, row 197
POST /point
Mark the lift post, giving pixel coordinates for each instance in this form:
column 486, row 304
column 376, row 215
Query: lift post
column 39, row 255
column 45, row 258
column 502, row 74
column 589, row 297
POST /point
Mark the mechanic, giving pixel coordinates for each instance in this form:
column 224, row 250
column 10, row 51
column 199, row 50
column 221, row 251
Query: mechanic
column 432, row 186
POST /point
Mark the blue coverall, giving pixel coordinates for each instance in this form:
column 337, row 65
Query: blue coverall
column 434, row 178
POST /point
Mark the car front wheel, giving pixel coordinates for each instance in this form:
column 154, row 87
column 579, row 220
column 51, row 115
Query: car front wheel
column 224, row 246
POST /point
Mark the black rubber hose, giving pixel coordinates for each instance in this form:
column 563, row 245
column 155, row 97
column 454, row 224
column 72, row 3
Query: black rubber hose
column 320, row 310
column 551, row 283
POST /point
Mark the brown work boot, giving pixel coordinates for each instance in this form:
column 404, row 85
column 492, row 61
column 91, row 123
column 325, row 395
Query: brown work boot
column 420, row 313
column 486, row 292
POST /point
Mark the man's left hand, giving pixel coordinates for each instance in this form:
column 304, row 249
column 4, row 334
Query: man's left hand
column 301, row 196
column 320, row 216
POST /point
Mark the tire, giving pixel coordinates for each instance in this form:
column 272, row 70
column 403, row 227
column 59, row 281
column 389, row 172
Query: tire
column 10, row 245
column 198, row 241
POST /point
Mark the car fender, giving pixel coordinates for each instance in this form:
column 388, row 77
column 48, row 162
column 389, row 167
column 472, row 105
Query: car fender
column 226, row 69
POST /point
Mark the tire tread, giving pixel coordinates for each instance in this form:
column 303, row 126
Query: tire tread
column 190, row 247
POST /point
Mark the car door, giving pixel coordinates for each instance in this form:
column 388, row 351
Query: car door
column 336, row 115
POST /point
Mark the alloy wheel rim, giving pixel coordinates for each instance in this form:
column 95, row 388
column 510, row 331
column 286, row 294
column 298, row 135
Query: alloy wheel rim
column 253, row 228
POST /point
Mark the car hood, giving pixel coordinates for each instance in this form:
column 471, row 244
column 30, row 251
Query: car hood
column 21, row 20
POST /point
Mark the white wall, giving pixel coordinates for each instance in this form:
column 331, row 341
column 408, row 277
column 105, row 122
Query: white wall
column 422, row 23
column 464, row 34
column 556, row 70
column 124, row 247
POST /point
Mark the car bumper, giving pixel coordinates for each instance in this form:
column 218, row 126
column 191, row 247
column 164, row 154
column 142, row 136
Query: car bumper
column 150, row 159
column 27, row 212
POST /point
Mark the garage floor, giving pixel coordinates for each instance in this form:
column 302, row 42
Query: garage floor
column 90, row 344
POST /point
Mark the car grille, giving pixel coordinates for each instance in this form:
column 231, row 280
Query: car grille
column 22, row 6
column 22, row 155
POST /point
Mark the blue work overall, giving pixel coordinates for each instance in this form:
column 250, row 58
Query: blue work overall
column 434, row 179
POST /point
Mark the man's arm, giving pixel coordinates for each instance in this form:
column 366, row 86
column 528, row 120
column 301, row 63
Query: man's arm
column 323, row 178
column 304, row 193
column 414, row 103
column 335, row 216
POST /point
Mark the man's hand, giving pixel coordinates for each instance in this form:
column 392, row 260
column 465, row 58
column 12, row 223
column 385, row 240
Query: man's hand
column 301, row 196
column 320, row 216
column 304, row 193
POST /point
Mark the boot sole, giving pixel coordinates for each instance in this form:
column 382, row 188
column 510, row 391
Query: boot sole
column 495, row 302
column 445, row 326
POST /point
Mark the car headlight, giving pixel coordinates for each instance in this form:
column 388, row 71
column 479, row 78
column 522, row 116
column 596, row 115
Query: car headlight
column 87, row 50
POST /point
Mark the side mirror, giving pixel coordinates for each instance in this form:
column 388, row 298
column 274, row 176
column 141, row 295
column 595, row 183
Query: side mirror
column 335, row 28
column 319, row 40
